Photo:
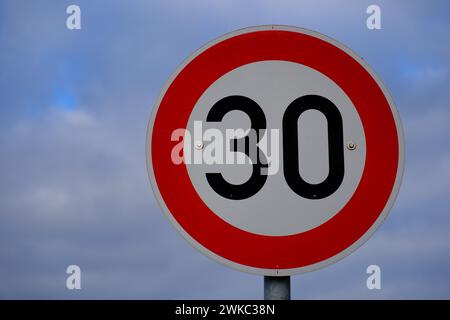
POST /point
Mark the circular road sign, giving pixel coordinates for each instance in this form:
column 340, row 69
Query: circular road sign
column 275, row 150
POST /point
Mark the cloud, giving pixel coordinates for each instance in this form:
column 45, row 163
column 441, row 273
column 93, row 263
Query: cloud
column 78, row 118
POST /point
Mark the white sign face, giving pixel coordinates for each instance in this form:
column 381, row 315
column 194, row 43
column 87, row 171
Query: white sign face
column 274, row 210
column 275, row 150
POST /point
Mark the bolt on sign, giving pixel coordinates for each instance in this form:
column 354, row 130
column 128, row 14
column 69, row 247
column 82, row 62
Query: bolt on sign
column 275, row 150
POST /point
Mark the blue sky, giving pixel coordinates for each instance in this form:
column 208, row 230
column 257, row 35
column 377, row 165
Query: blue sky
column 73, row 113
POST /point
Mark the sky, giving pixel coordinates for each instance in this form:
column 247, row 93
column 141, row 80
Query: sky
column 74, row 106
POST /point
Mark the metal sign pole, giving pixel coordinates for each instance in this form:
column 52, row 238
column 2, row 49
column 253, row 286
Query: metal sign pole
column 277, row 288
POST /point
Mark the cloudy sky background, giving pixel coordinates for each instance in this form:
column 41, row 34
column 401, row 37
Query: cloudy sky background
column 74, row 107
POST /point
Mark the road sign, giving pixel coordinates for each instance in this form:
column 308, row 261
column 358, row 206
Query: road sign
column 275, row 150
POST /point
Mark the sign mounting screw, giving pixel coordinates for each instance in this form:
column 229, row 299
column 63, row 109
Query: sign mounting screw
column 198, row 145
column 351, row 145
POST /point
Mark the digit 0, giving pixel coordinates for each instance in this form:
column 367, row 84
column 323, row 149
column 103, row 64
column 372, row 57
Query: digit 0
column 335, row 147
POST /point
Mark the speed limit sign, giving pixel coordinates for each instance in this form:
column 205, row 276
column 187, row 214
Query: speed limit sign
column 275, row 150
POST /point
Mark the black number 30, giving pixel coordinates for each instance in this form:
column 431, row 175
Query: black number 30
column 290, row 147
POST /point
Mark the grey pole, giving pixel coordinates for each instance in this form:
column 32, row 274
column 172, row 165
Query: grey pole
column 277, row 288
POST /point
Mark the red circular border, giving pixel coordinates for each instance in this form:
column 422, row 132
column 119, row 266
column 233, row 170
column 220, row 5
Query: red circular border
column 276, row 252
